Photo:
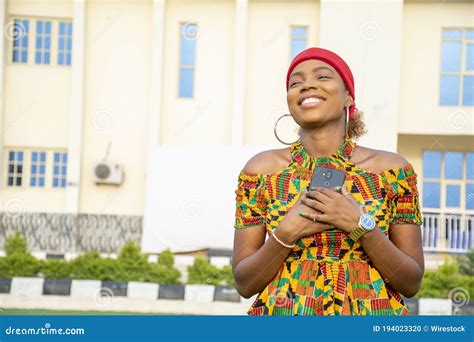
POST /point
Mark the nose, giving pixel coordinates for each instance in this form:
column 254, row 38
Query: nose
column 309, row 84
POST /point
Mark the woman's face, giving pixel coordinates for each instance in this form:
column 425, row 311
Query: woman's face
column 316, row 94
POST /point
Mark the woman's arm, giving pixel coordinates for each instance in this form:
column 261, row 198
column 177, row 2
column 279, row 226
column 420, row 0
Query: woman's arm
column 256, row 262
column 399, row 259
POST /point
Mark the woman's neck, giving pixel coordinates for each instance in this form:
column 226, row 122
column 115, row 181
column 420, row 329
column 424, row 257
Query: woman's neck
column 321, row 142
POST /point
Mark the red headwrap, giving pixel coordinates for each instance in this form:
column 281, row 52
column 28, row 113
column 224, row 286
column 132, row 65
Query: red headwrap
column 333, row 60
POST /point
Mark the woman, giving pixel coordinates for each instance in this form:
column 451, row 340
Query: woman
column 352, row 250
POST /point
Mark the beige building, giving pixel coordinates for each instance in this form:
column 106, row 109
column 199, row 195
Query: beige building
column 131, row 119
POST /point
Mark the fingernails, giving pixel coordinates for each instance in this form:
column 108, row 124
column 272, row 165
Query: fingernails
column 339, row 188
column 301, row 213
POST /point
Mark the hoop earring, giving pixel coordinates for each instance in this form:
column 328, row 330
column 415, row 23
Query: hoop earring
column 276, row 134
column 347, row 121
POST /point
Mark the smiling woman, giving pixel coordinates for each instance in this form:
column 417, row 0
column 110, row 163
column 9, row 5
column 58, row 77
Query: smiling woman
column 350, row 250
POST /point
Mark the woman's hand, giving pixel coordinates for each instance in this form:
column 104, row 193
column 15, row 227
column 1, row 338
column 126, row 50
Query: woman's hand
column 338, row 209
column 296, row 225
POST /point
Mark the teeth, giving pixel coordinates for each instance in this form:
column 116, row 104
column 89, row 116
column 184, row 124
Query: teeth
column 311, row 100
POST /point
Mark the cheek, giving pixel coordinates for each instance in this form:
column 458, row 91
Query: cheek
column 335, row 89
column 291, row 98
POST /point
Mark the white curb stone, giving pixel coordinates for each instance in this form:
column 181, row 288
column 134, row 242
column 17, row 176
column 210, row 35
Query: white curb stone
column 434, row 306
column 27, row 287
column 85, row 288
column 140, row 290
column 199, row 293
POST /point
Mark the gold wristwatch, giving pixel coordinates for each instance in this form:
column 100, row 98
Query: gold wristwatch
column 366, row 224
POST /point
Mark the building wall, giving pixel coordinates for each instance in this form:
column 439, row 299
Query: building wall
column 36, row 106
column 206, row 117
column 117, row 83
column 268, row 58
column 420, row 112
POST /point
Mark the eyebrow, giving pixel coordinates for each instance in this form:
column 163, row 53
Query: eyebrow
column 299, row 73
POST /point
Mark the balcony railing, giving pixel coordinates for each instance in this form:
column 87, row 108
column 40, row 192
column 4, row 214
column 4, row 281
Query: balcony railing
column 443, row 232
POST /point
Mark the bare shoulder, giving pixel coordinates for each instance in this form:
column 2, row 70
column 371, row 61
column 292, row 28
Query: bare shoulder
column 268, row 162
column 378, row 160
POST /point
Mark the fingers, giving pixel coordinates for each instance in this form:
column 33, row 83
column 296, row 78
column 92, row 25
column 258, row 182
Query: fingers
column 329, row 193
column 316, row 203
column 315, row 217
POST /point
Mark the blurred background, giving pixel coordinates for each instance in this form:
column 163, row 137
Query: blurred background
column 125, row 125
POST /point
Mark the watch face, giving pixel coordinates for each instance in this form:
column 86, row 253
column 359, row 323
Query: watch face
column 367, row 222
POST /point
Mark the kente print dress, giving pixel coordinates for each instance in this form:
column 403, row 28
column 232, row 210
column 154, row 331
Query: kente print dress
column 327, row 273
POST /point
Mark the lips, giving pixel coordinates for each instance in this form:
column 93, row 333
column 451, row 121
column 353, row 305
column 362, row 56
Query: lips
column 311, row 100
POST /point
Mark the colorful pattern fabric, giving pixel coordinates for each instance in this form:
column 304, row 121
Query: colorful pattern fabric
column 327, row 273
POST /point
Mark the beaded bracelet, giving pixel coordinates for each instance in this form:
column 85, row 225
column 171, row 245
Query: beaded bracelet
column 281, row 242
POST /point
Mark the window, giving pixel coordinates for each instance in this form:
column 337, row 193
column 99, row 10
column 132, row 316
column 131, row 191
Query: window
column 187, row 60
column 38, row 166
column 59, row 169
column 44, row 34
column 299, row 40
column 43, row 42
column 457, row 67
column 20, row 41
column 445, row 174
column 64, row 43
column 15, row 168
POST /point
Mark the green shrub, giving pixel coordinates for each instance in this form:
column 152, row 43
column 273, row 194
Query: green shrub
column 131, row 265
column 438, row 283
column 91, row 266
column 163, row 275
column 18, row 261
column 16, row 244
column 227, row 275
column 55, row 269
column 466, row 263
column 166, row 258
column 203, row 272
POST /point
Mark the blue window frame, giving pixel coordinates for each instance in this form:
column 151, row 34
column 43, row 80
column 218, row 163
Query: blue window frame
column 15, row 168
column 187, row 59
column 65, row 43
column 299, row 40
column 38, row 169
column 457, row 67
column 59, row 169
column 43, row 42
column 20, row 41
column 448, row 175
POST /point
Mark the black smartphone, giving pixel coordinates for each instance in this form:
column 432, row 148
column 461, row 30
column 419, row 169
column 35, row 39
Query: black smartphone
column 324, row 177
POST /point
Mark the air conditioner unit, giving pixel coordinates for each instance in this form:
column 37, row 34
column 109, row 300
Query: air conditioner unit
column 108, row 173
